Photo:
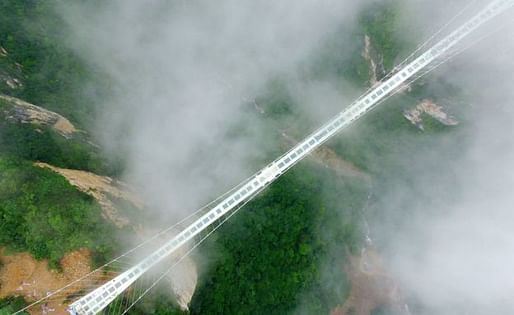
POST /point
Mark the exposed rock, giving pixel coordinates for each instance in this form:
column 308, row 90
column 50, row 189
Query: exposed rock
column 258, row 107
column 377, row 71
column 253, row 102
column 183, row 279
column 372, row 65
column 376, row 62
column 24, row 112
column 100, row 188
column 372, row 287
column 9, row 77
column 328, row 158
column 415, row 115
column 11, row 82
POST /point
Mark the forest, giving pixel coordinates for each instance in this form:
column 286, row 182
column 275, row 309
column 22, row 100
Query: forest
column 268, row 257
column 284, row 252
column 52, row 75
column 40, row 212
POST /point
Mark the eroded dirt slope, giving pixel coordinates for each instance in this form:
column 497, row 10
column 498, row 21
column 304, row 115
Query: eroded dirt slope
column 22, row 275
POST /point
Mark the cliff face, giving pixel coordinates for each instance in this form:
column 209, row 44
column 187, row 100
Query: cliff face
column 375, row 62
column 428, row 107
column 183, row 280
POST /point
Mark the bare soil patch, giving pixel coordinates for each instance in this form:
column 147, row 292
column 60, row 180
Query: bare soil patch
column 22, row 275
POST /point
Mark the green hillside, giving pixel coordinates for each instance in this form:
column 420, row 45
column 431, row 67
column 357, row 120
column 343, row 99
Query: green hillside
column 285, row 249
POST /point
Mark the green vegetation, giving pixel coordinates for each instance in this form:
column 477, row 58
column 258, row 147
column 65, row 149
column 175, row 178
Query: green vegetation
column 270, row 255
column 383, row 144
column 340, row 61
column 52, row 76
column 379, row 23
column 40, row 212
column 384, row 140
column 286, row 250
column 283, row 252
column 12, row 304
column 383, row 311
column 33, row 34
column 24, row 141
column 157, row 302
column 277, row 102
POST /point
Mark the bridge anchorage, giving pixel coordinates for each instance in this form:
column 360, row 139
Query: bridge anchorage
column 408, row 71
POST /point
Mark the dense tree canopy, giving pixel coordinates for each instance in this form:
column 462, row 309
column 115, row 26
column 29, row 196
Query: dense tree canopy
column 269, row 256
column 52, row 76
column 42, row 213
column 37, row 143
column 284, row 252
column 10, row 305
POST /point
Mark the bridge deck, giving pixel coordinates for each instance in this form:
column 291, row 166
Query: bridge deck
column 97, row 300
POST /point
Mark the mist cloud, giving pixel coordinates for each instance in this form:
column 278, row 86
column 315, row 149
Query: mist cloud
column 181, row 70
column 455, row 254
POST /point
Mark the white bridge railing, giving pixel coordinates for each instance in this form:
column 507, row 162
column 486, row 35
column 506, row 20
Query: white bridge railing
column 98, row 299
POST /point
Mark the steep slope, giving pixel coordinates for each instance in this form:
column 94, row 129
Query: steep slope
column 26, row 113
column 31, row 132
column 103, row 188
column 10, row 73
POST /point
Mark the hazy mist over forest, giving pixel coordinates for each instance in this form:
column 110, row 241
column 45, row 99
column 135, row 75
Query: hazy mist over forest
column 455, row 253
column 459, row 254
column 184, row 72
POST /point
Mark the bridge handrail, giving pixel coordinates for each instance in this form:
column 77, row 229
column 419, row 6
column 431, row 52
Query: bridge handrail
column 98, row 299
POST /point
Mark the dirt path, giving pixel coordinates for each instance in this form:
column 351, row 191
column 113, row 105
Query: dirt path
column 22, row 275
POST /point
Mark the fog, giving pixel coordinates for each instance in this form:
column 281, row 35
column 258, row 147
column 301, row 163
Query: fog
column 454, row 253
column 182, row 70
